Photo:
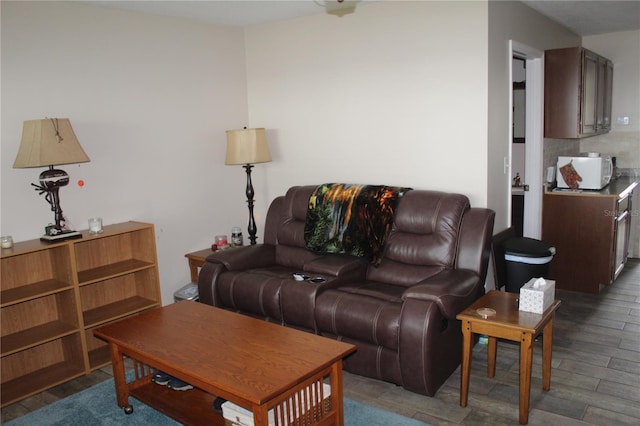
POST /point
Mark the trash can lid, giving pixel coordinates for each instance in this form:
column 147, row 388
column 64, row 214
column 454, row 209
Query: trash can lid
column 528, row 247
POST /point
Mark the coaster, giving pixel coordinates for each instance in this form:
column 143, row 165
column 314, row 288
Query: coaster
column 486, row 312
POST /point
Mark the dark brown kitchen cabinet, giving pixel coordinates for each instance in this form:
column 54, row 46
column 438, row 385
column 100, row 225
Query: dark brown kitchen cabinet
column 577, row 91
column 622, row 231
column 604, row 113
column 590, row 231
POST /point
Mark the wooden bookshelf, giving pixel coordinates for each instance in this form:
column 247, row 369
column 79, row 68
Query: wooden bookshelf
column 53, row 295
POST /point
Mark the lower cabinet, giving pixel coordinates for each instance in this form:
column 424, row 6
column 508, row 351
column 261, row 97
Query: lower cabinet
column 622, row 231
column 591, row 236
column 54, row 294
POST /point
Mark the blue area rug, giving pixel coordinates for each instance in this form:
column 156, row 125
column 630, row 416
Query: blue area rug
column 97, row 406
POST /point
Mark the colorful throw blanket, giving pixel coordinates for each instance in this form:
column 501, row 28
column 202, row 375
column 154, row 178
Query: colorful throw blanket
column 351, row 219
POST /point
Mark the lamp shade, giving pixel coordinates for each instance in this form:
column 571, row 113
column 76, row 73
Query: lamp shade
column 48, row 142
column 247, row 146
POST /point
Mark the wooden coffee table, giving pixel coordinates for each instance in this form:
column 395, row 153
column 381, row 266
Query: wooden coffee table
column 255, row 364
column 511, row 324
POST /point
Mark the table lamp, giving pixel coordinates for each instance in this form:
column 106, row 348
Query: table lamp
column 47, row 143
column 247, row 147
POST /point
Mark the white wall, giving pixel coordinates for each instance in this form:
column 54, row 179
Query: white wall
column 149, row 99
column 394, row 93
column 400, row 93
column 409, row 93
column 511, row 20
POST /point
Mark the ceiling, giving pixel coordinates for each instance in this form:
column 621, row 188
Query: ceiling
column 586, row 17
column 225, row 12
column 591, row 17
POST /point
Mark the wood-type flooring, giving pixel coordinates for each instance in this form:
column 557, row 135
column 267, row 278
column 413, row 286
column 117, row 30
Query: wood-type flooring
column 595, row 377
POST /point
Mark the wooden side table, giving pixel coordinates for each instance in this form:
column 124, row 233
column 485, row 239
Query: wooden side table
column 196, row 260
column 511, row 324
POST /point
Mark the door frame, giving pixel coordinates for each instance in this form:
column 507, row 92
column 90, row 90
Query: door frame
column 534, row 135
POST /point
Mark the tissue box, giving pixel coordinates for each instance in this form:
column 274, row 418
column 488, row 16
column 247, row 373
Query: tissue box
column 538, row 299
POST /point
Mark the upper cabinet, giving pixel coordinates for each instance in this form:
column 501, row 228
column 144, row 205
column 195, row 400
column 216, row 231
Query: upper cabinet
column 577, row 93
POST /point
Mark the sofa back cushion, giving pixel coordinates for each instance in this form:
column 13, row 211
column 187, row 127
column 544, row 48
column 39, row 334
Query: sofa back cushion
column 290, row 247
column 422, row 242
column 424, row 237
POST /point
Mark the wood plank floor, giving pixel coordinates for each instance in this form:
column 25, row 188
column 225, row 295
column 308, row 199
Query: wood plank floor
column 595, row 378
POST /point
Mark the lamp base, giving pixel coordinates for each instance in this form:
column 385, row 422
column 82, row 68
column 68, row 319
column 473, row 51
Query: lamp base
column 61, row 236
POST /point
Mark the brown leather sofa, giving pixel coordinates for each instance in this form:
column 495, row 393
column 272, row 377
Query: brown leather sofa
column 400, row 314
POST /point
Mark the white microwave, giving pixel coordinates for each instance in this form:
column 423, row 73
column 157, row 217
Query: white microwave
column 584, row 172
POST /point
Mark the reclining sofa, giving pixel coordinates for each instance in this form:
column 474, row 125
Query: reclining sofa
column 400, row 312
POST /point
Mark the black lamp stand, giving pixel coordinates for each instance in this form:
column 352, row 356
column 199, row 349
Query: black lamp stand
column 252, row 229
column 50, row 182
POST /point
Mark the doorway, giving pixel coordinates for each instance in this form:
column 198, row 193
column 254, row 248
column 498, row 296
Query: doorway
column 518, row 146
column 533, row 136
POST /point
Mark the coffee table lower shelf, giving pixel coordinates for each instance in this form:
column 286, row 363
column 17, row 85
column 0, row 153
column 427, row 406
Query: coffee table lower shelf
column 191, row 407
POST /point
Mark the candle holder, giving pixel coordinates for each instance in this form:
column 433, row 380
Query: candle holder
column 222, row 242
column 6, row 241
column 95, row 225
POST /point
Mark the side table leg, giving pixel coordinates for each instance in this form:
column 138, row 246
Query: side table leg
column 492, row 347
column 466, row 362
column 526, row 355
column 547, row 343
column 193, row 270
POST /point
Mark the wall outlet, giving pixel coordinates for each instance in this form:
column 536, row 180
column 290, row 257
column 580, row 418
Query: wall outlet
column 623, row 120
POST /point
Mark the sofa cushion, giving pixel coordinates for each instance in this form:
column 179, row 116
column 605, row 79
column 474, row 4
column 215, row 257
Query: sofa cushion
column 294, row 257
column 298, row 300
column 290, row 248
column 424, row 237
column 255, row 291
column 293, row 214
column 365, row 311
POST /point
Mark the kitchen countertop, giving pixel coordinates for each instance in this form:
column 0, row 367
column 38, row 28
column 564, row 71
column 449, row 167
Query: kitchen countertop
column 619, row 187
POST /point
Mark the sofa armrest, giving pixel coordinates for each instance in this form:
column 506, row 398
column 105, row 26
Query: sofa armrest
column 474, row 246
column 337, row 266
column 247, row 257
column 452, row 290
column 207, row 279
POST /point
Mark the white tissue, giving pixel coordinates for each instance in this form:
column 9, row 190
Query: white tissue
column 536, row 295
column 540, row 282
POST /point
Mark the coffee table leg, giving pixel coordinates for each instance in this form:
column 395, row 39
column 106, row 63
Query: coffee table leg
column 336, row 391
column 547, row 342
column 526, row 355
column 261, row 416
column 122, row 390
column 466, row 362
